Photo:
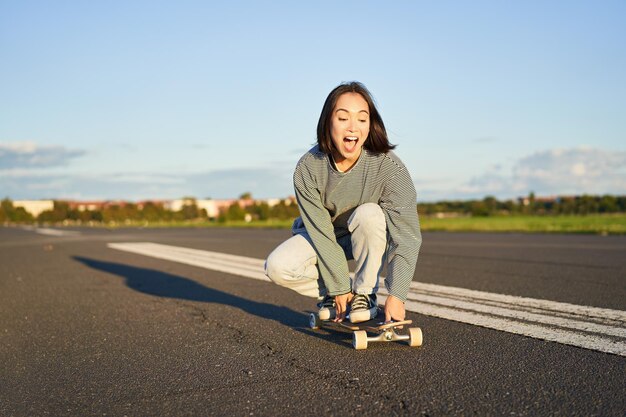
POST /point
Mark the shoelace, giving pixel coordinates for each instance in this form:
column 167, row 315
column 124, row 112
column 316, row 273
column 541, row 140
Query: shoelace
column 328, row 302
column 360, row 301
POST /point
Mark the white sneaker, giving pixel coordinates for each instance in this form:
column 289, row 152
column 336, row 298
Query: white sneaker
column 363, row 308
column 327, row 309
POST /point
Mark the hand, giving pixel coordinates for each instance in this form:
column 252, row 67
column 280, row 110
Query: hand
column 341, row 305
column 394, row 309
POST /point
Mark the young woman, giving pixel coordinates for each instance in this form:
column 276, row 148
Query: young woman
column 357, row 201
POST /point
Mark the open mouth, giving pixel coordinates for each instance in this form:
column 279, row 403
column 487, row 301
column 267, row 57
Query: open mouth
column 349, row 142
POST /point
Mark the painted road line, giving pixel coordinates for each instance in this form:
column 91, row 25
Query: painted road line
column 232, row 264
column 514, row 313
column 54, row 232
column 546, row 305
column 579, row 339
column 592, row 328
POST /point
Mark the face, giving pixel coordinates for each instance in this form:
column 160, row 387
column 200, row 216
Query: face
column 349, row 127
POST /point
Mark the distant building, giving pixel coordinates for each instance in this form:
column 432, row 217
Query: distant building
column 275, row 201
column 94, row 205
column 212, row 207
column 158, row 203
column 86, row 205
column 34, row 207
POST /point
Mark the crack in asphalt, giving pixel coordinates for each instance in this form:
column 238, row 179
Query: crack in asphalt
column 338, row 379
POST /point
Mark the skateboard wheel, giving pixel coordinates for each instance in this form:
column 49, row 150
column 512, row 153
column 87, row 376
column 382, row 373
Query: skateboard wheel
column 415, row 336
column 314, row 321
column 359, row 339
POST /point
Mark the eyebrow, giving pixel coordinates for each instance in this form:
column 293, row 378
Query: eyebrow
column 360, row 111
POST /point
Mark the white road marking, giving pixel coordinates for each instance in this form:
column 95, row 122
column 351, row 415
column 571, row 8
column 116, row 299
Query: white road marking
column 51, row 232
column 594, row 328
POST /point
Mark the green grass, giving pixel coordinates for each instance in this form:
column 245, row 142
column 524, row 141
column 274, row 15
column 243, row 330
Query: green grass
column 614, row 224
column 592, row 224
column 269, row 224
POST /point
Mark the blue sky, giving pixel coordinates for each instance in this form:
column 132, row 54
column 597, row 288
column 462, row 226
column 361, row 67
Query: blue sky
column 149, row 99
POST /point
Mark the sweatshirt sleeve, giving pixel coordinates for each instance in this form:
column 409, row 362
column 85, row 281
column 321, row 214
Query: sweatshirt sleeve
column 332, row 262
column 399, row 203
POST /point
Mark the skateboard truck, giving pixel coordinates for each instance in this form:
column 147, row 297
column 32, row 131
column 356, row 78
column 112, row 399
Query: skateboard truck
column 385, row 332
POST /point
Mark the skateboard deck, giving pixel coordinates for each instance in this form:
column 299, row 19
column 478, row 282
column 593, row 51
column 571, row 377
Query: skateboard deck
column 385, row 332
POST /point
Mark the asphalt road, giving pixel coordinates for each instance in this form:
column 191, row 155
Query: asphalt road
column 89, row 330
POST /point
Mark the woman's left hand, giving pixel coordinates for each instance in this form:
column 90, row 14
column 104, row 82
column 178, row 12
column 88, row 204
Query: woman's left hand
column 341, row 306
column 394, row 309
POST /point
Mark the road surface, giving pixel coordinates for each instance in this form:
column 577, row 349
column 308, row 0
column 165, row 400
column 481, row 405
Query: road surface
column 513, row 325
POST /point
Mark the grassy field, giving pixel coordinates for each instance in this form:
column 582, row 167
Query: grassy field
column 591, row 224
column 267, row 224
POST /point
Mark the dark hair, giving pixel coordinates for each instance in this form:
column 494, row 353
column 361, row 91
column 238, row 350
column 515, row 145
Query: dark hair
column 377, row 140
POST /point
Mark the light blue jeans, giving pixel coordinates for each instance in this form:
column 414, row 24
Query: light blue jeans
column 293, row 264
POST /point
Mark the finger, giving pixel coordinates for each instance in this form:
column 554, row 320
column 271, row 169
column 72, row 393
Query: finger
column 400, row 317
column 337, row 317
column 340, row 316
column 340, row 312
column 387, row 316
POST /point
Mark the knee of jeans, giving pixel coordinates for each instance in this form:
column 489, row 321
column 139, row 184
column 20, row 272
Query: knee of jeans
column 277, row 270
column 368, row 215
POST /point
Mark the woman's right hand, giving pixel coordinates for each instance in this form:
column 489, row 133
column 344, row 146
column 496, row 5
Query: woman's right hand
column 341, row 306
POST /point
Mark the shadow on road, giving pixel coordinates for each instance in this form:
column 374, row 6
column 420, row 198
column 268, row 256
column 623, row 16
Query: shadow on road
column 161, row 284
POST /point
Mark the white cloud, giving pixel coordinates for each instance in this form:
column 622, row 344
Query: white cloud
column 25, row 155
column 555, row 171
column 261, row 182
column 547, row 172
column 31, row 171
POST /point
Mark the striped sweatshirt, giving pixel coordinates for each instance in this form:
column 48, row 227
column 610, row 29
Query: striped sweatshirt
column 327, row 198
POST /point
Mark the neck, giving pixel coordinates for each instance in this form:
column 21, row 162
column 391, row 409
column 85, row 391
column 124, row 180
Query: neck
column 344, row 164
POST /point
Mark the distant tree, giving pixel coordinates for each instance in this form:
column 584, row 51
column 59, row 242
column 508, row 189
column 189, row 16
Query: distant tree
column 152, row 212
column 20, row 215
column 10, row 213
column 130, row 211
column 587, row 204
column 531, row 202
column 608, row 204
column 93, row 215
column 509, row 206
column 84, row 216
column 259, row 211
column 60, row 212
column 491, row 204
column 478, row 209
column 6, row 208
column 284, row 211
column 567, row 205
column 116, row 213
column 233, row 213
column 190, row 211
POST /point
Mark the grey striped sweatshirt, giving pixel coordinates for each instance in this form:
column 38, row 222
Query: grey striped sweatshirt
column 327, row 198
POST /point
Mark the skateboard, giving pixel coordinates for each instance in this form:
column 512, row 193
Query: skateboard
column 360, row 339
